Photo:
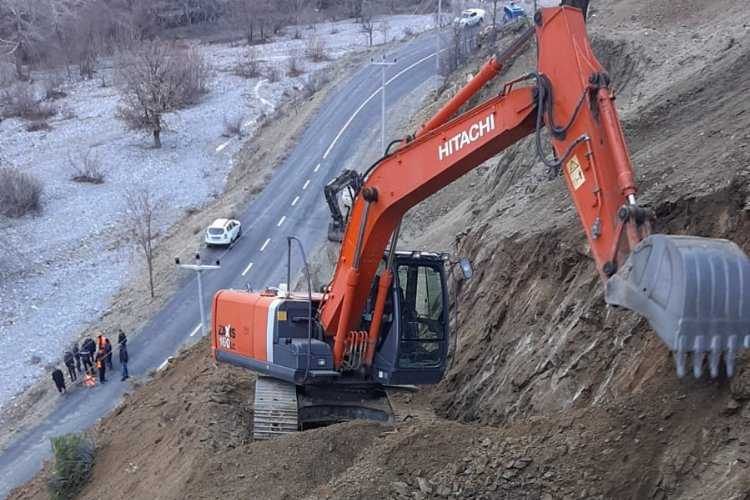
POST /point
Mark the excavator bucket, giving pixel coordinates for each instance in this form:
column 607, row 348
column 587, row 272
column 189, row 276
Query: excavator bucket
column 694, row 292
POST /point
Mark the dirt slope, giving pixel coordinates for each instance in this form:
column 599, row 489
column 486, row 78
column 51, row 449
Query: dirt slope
column 550, row 394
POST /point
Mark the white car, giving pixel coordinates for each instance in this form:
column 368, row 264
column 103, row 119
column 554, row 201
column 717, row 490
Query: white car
column 223, row 232
column 470, row 17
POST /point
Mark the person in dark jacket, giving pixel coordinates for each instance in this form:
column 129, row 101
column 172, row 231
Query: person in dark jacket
column 87, row 353
column 76, row 356
column 59, row 380
column 70, row 364
column 101, row 365
column 122, row 338
column 124, row 360
column 108, row 352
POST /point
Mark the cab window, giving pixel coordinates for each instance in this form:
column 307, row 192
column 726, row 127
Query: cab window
column 422, row 326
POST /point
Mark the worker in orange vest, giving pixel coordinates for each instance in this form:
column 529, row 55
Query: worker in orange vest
column 101, row 341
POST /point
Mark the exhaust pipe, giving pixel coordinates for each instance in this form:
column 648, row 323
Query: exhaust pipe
column 694, row 292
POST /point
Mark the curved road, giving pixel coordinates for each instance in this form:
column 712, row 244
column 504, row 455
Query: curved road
column 291, row 204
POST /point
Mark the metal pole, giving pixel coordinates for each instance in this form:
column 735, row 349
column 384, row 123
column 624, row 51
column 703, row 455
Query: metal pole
column 289, row 265
column 382, row 64
column 382, row 114
column 200, row 303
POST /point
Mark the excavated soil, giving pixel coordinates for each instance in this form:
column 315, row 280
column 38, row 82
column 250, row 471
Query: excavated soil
column 550, row 394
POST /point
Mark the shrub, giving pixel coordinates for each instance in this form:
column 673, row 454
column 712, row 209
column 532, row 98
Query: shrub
column 67, row 112
column 37, row 126
column 273, row 73
column 51, row 86
column 293, row 65
column 233, row 125
column 88, row 169
column 19, row 100
column 20, row 193
column 250, row 66
column 74, row 459
column 311, row 85
column 317, row 50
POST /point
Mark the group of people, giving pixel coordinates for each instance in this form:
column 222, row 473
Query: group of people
column 92, row 358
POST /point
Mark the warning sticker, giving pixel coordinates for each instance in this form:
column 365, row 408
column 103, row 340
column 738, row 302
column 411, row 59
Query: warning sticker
column 281, row 316
column 575, row 172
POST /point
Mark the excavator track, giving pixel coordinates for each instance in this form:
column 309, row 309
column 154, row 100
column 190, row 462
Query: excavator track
column 275, row 410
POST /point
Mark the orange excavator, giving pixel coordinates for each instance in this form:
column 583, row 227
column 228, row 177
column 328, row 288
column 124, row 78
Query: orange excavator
column 383, row 319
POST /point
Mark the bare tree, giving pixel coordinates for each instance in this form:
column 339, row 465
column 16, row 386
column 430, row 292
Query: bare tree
column 155, row 79
column 294, row 8
column 316, row 49
column 367, row 27
column 24, row 28
column 142, row 208
column 354, row 7
column 494, row 15
column 384, row 27
column 252, row 17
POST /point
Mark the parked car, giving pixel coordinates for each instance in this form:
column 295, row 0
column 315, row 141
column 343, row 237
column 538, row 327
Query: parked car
column 470, row 17
column 223, row 232
column 513, row 11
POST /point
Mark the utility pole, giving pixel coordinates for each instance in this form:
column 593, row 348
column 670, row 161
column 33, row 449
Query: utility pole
column 383, row 63
column 199, row 268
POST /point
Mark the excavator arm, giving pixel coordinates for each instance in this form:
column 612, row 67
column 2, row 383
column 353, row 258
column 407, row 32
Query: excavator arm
column 695, row 292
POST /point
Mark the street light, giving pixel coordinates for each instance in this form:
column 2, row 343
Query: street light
column 199, row 268
column 383, row 63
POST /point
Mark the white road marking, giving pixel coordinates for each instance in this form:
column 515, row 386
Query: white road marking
column 317, row 167
column 294, row 202
column 265, row 244
column 247, row 269
column 195, row 330
column 307, row 183
column 351, row 119
column 281, row 221
column 221, row 146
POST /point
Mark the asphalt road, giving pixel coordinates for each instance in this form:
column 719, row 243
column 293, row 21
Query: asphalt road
column 291, row 204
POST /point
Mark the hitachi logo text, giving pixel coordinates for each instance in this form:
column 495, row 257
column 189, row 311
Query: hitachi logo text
column 475, row 132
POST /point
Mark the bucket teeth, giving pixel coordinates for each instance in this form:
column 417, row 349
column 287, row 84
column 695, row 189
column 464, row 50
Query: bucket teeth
column 698, row 362
column 695, row 294
column 714, row 358
column 680, row 360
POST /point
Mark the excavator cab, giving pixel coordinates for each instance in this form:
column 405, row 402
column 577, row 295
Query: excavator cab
column 414, row 341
